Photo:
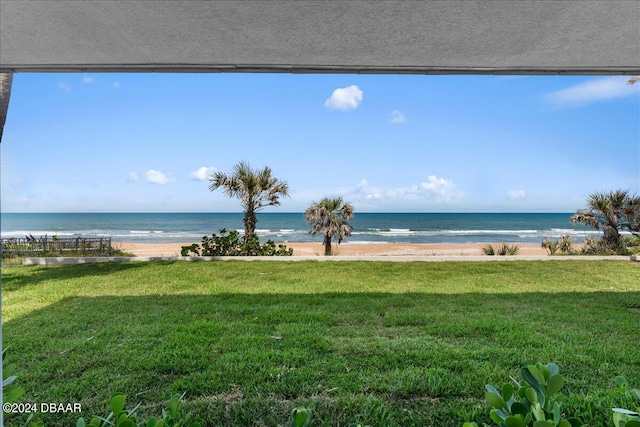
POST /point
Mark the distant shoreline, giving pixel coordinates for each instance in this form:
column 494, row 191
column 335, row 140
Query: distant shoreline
column 346, row 249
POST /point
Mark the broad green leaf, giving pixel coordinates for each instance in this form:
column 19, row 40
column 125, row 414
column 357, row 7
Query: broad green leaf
column 564, row 423
column 126, row 423
column 530, row 378
column 556, row 413
column 541, row 424
column 117, row 403
column 632, row 423
column 301, row 417
column 14, row 395
column 507, row 392
column 531, row 394
column 80, row 422
column 468, row 424
column 514, row 422
column 491, row 388
column 533, row 370
column 495, row 400
column 575, row 422
column 173, row 407
column 553, row 369
column 495, row 417
column 152, row 422
column 544, row 370
column 95, row 422
column 519, row 408
column 555, row 384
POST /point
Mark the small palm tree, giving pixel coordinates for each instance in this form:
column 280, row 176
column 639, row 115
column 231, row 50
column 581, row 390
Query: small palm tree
column 256, row 189
column 330, row 216
column 606, row 211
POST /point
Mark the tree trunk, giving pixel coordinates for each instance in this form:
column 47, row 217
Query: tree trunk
column 327, row 245
column 250, row 222
column 611, row 237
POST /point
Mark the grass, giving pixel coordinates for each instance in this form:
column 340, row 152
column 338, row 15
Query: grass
column 385, row 344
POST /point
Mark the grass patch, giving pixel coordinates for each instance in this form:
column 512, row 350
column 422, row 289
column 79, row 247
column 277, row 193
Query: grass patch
column 385, row 344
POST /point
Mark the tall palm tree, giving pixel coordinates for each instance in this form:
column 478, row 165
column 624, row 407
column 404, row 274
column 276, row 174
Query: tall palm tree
column 329, row 216
column 606, row 211
column 256, row 189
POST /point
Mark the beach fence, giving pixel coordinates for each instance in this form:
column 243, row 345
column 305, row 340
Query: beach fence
column 46, row 246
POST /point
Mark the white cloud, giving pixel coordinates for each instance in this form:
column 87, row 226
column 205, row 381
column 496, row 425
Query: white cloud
column 157, row 177
column 202, row 174
column 345, row 98
column 87, row 80
column 433, row 187
column 65, row 87
column 602, row 89
column 515, row 194
column 439, row 189
column 397, row 117
column 133, row 177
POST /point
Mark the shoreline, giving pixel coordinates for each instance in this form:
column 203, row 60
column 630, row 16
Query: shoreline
column 346, row 249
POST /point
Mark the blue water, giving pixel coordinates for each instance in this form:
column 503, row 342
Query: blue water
column 291, row 227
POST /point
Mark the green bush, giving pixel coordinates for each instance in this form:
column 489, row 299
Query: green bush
column 229, row 243
column 534, row 401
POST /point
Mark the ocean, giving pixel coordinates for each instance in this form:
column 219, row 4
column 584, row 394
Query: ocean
column 291, row 227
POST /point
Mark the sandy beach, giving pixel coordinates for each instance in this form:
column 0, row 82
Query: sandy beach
column 345, row 249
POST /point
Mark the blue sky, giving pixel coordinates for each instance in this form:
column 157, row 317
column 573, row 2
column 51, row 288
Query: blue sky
column 108, row 142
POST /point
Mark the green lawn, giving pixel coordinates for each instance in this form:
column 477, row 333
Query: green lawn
column 386, row 344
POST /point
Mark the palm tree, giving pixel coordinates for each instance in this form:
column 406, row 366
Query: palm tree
column 632, row 214
column 330, row 217
column 606, row 211
column 256, row 189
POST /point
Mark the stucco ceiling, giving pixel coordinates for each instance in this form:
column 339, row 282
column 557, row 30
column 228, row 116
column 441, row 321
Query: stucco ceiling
column 533, row 37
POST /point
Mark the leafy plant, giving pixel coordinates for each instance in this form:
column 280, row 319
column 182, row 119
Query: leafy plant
column 228, row 243
column 488, row 250
column 503, row 249
column 625, row 417
column 10, row 391
column 535, row 401
column 301, row 417
column 172, row 416
column 564, row 245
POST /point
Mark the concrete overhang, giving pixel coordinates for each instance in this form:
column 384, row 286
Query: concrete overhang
column 396, row 37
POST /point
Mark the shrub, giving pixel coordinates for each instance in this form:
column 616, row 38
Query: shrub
column 503, row 249
column 564, row 245
column 534, row 401
column 228, row 243
column 488, row 250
